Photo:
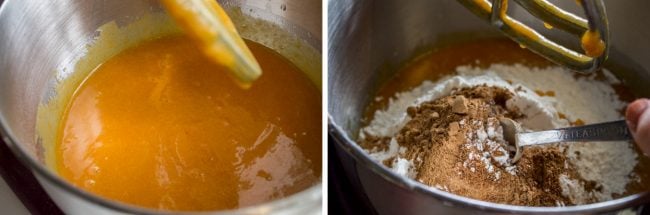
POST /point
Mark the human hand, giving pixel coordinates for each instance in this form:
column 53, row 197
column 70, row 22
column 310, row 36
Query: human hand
column 637, row 116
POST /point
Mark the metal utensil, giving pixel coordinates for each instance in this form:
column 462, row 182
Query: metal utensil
column 607, row 131
column 596, row 24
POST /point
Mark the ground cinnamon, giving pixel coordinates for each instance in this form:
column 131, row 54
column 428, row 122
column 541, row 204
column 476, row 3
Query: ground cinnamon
column 455, row 145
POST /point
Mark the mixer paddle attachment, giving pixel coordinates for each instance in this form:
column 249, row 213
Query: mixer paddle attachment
column 594, row 31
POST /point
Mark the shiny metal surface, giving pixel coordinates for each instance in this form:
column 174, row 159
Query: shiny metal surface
column 369, row 39
column 606, row 131
column 596, row 21
column 40, row 41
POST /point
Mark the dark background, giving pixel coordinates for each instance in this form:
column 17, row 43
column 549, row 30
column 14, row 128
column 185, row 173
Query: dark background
column 23, row 183
column 342, row 198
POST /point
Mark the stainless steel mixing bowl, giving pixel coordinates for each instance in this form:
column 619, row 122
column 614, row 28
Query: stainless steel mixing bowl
column 39, row 40
column 369, row 39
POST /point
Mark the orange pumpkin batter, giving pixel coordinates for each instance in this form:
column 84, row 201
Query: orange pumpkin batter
column 160, row 126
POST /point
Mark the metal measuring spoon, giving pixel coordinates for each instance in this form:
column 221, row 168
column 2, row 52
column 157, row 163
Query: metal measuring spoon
column 607, row 131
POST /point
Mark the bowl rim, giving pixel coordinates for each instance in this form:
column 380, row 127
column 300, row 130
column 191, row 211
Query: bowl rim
column 344, row 142
column 305, row 199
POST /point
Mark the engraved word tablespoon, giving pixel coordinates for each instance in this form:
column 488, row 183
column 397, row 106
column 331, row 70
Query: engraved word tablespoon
column 607, row 131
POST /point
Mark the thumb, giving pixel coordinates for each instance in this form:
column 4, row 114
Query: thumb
column 637, row 116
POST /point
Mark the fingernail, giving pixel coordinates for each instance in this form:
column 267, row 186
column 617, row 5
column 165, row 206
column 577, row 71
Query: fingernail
column 634, row 111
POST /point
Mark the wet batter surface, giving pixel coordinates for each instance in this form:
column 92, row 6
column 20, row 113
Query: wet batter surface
column 160, row 126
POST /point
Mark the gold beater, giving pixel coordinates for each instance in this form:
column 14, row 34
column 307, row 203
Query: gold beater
column 594, row 31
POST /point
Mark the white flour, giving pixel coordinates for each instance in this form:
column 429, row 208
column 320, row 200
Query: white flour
column 488, row 141
column 608, row 164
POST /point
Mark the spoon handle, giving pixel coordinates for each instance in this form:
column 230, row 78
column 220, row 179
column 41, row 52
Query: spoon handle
column 608, row 131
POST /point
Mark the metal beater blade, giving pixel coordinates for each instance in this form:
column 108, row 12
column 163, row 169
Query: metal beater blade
column 596, row 23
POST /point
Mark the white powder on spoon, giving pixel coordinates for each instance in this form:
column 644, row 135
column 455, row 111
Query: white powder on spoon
column 608, row 164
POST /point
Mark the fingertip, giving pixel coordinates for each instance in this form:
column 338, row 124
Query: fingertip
column 634, row 111
column 641, row 130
